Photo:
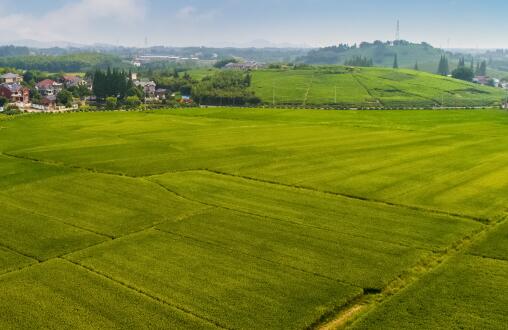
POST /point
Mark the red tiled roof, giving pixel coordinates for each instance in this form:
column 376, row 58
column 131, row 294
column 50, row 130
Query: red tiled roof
column 46, row 83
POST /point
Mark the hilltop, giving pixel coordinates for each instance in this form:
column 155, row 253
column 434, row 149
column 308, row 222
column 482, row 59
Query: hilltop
column 381, row 53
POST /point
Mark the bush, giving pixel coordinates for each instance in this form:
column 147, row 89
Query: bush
column 111, row 103
column 12, row 110
column 132, row 102
column 463, row 73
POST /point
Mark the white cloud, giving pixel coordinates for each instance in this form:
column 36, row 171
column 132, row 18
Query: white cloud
column 82, row 19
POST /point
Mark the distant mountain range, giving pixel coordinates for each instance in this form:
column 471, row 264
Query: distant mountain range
column 382, row 53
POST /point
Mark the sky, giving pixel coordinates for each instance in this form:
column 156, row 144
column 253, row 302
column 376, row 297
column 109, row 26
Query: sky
column 313, row 23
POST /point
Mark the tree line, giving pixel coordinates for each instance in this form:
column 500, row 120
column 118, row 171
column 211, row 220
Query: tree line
column 361, row 61
column 463, row 71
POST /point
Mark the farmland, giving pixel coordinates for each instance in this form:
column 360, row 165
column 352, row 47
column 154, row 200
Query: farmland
column 257, row 218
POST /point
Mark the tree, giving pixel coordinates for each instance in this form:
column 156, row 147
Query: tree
column 111, row 102
column 463, row 73
column 359, row 61
column 482, row 69
column 443, row 68
column 113, row 83
column 396, row 62
column 35, row 96
column 462, row 62
column 65, row 98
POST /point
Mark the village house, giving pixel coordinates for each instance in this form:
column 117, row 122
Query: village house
column 486, row 81
column 11, row 78
column 15, row 93
column 73, row 81
column 49, row 87
column 161, row 93
column 149, row 87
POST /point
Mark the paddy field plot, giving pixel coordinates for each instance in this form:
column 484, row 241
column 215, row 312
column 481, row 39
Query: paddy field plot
column 466, row 293
column 253, row 219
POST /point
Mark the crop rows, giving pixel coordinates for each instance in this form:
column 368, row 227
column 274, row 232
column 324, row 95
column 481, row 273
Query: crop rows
column 222, row 218
column 369, row 88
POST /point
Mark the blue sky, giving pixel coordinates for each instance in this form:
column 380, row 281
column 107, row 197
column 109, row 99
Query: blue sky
column 453, row 23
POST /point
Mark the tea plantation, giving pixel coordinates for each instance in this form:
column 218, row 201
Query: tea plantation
column 344, row 87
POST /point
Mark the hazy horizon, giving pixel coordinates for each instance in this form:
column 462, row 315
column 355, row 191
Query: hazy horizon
column 444, row 24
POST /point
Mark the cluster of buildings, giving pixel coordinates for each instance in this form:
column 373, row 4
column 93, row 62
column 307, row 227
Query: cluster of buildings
column 12, row 89
column 144, row 59
column 488, row 81
column 249, row 65
column 149, row 87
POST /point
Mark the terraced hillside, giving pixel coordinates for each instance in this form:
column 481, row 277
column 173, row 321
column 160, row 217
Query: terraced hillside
column 369, row 87
column 254, row 219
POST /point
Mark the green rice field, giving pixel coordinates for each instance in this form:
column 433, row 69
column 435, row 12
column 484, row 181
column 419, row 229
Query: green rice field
column 255, row 218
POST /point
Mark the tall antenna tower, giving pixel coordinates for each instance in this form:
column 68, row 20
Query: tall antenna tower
column 397, row 35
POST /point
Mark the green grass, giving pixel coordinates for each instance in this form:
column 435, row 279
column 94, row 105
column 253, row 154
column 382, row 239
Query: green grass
column 369, row 87
column 235, row 290
column 253, row 218
column 59, row 295
column 467, row 293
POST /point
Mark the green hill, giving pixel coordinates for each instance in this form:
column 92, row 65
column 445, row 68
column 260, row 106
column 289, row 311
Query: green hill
column 339, row 86
column 381, row 53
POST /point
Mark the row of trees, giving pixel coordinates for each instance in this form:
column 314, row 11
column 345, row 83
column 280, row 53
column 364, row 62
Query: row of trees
column 462, row 71
column 114, row 83
column 174, row 81
column 359, row 61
